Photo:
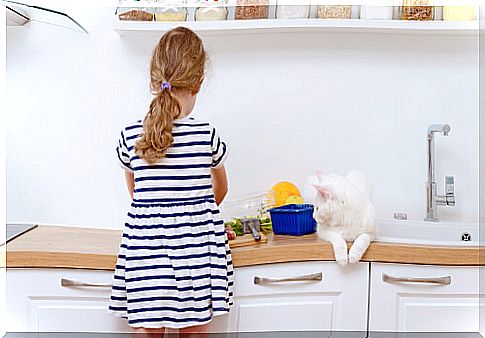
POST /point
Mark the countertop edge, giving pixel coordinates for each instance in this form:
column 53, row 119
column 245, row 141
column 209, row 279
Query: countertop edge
column 97, row 249
column 30, row 259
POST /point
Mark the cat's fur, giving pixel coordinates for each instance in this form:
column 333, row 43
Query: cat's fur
column 344, row 212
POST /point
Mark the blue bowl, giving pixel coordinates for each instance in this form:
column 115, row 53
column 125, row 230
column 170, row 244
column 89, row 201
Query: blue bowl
column 293, row 219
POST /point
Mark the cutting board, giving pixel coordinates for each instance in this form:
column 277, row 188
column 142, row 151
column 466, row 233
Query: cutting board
column 247, row 240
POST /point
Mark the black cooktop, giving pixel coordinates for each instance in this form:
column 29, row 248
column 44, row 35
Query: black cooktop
column 15, row 230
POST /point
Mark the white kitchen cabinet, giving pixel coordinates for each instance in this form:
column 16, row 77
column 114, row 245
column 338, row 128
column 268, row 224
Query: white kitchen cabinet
column 36, row 301
column 401, row 301
column 337, row 302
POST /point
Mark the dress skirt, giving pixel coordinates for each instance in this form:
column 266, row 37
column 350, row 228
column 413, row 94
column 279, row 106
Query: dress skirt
column 174, row 267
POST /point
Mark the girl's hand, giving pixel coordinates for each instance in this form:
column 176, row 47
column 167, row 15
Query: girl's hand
column 130, row 182
column 219, row 183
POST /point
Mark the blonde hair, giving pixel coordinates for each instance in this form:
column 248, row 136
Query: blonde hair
column 179, row 59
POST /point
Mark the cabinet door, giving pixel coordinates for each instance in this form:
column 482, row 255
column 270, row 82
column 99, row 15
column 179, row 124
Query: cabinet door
column 337, row 302
column 37, row 302
column 401, row 300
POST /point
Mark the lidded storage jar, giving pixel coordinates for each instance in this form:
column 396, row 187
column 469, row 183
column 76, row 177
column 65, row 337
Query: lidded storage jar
column 459, row 13
column 252, row 9
column 211, row 11
column 334, row 12
column 376, row 12
column 173, row 11
column 417, row 10
column 135, row 14
column 286, row 11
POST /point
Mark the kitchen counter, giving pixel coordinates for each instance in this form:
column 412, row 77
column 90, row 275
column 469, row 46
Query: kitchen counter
column 90, row 248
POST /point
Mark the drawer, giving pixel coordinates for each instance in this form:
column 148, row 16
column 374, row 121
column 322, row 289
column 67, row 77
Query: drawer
column 333, row 278
column 424, row 298
column 48, row 282
column 36, row 301
column 260, row 307
column 448, row 279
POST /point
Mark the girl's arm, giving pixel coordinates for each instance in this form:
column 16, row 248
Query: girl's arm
column 130, row 182
column 219, row 183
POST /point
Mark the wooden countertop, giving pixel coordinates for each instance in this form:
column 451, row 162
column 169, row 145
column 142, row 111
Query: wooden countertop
column 89, row 248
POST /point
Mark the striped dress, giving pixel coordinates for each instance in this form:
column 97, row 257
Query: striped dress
column 174, row 267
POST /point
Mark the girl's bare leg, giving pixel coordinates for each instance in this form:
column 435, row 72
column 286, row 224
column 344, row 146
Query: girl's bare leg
column 197, row 331
column 149, row 333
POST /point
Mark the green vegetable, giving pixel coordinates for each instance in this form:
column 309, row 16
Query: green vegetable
column 266, row 226
column 236, row 225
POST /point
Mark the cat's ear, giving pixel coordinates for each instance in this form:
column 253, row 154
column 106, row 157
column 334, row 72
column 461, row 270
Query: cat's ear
column 320, row 175
column 322, row 190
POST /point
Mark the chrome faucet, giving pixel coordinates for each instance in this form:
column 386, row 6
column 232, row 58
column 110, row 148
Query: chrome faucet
column 432, row 198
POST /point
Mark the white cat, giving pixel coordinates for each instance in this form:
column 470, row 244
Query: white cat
column 344, row 212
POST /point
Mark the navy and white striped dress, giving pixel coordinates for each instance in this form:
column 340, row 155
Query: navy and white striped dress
column 174, row 267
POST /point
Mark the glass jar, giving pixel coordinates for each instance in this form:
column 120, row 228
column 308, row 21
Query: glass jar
column 170, row 14
column 418, row 10
column 459, row 13
column 135, row 14
column 334, row 12
column 211, row 10
column 292, row 11
column 376, row 12
column 252, row 9
column 210, row 13
column 171, row 11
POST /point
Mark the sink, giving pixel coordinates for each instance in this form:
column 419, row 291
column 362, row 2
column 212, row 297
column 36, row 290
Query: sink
column 428, row 233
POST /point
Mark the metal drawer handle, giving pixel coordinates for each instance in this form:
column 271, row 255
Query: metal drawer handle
column 74, row 283
column 311, row 277
column 425, row 280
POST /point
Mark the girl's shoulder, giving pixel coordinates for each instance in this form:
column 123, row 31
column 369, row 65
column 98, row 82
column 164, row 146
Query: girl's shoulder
column 191, row 122
column 133, row 127
column 131, row 131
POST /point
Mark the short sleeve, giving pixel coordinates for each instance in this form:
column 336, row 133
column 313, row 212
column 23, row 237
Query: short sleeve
column 219, row 150
column 122, row 152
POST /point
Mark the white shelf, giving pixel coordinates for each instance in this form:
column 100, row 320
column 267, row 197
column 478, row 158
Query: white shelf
column 299, row 25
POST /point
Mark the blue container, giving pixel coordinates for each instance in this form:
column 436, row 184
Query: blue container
column 293, row 219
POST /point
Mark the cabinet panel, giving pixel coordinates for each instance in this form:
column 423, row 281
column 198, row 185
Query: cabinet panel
column 74, row 315
column 451, row 305
column 458, row 313
column 36, row 301
column 286, row 315
column 337, row 302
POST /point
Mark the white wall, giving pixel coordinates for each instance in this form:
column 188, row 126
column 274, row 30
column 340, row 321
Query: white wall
column 286, row 104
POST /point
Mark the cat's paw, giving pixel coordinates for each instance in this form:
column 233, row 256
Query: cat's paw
column 341, row 260
column 353, row 257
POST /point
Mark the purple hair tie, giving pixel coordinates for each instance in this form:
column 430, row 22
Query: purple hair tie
column 165, row 85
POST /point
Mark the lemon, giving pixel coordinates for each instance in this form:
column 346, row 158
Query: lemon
column 294, row 200
column 280, row 192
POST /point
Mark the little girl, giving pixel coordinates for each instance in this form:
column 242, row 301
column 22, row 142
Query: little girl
column 174, row 268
